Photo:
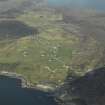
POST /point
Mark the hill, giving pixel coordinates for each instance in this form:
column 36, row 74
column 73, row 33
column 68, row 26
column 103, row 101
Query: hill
column 45, row 44
column 12, row 8
column 85, row 90
column 36, row 46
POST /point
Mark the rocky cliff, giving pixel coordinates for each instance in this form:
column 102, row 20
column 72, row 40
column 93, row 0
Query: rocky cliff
column 86, row 90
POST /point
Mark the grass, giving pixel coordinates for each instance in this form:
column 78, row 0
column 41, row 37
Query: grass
column 37, row 59
column 43, row 57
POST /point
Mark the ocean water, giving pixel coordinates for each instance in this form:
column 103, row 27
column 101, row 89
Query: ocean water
column 88, row 4
column 11, row 93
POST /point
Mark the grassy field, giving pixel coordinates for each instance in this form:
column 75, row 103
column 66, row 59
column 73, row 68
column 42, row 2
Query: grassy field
column 38, row 59
column 49, row 54
column 42, row 57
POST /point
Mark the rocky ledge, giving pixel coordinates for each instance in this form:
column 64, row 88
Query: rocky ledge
column 86, row 90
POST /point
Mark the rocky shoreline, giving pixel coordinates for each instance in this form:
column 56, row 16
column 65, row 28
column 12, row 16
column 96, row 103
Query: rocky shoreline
column 85, row 90
column 25, row 84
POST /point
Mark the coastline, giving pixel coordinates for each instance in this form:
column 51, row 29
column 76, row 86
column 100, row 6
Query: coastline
column 25, row 84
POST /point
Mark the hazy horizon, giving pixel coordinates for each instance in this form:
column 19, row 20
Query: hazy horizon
column 88, row 4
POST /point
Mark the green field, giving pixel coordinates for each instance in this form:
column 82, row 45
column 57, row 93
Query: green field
column 37, row 59
column 49, row 54
column 42, row 57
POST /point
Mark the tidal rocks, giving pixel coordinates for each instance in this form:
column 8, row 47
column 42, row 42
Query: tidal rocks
column 86, row 90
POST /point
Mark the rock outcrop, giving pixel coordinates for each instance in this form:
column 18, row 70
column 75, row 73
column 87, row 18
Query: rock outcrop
column 86, row 90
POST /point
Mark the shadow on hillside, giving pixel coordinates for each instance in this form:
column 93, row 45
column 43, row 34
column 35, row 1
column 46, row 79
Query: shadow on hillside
column 15, row 29
column 86, row 90
column 11, row 93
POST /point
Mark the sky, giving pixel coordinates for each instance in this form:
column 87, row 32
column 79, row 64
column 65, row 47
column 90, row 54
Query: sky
column 98, row 4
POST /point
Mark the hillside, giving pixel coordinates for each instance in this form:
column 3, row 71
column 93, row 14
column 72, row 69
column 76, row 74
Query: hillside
column 34, row 46
column 45, row 44
column 13, row 8
column 35, row 57
column 84, row 90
